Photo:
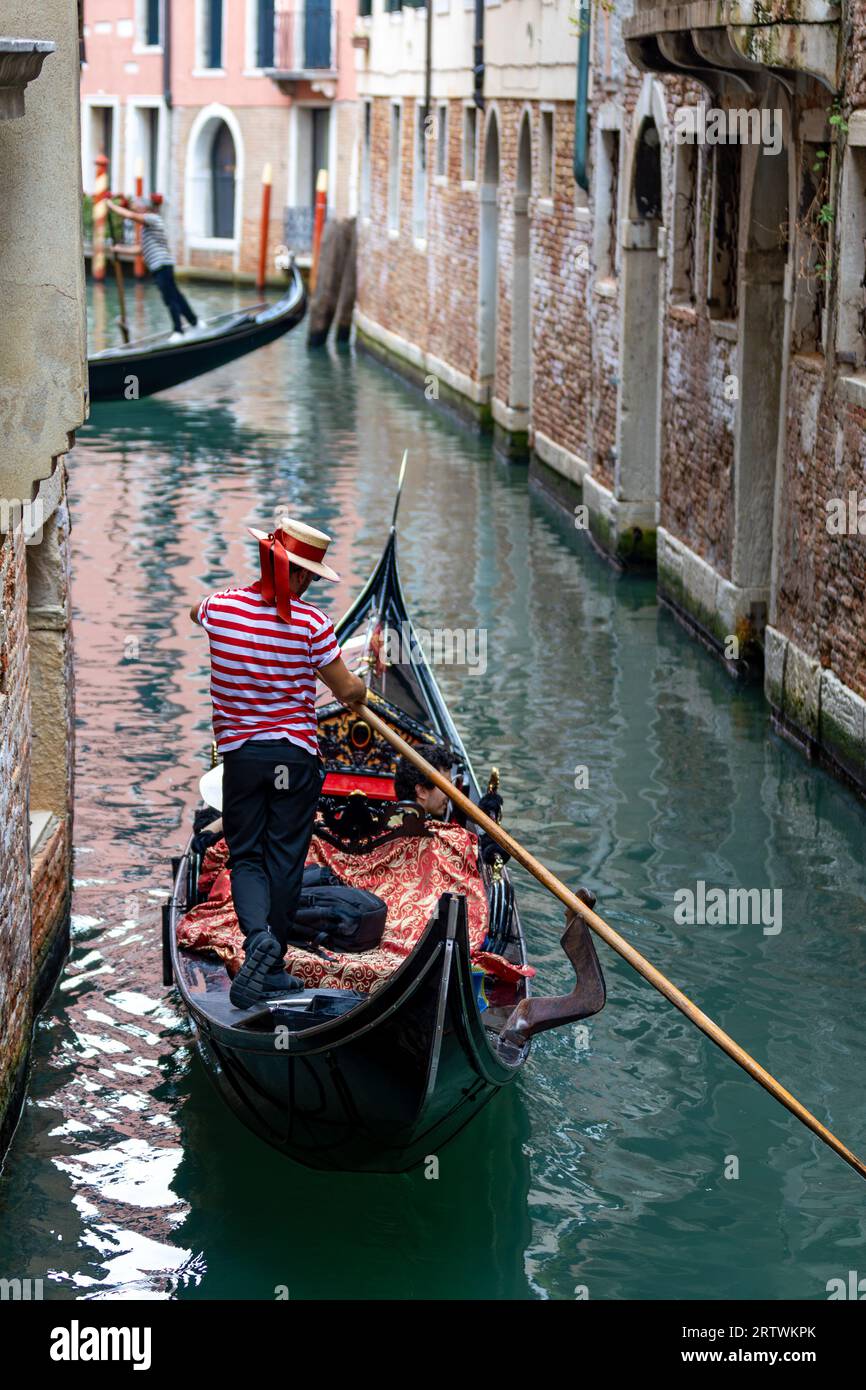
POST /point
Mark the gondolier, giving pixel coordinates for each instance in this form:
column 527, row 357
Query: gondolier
column 267, row 646
column 157, row 256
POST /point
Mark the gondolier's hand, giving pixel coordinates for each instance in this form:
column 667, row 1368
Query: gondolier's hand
column 348, row 688
column 491, row 805
column 129, row 213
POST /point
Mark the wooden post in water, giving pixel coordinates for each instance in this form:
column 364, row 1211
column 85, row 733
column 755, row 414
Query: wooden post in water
column 331, row 264
column 267, row 180
column 100, row 212
column 348, row 285
column 321, row 206
column 138, row 265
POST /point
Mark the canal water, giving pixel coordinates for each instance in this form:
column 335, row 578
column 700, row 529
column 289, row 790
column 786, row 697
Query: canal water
column 632, row 1159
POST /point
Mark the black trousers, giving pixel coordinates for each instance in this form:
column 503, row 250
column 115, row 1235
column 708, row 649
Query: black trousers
column 270, row 791
column 175, row 301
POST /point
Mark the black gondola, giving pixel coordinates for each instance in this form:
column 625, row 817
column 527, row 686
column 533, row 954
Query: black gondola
column 347, row 1081
column 153, row 364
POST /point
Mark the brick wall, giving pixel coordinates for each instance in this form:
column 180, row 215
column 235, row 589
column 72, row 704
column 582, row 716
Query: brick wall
column 15, row 920
column 821, row 576
column 265, row 137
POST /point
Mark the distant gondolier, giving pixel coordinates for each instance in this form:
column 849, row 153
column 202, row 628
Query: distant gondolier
column 267, row 647
column 157, row 256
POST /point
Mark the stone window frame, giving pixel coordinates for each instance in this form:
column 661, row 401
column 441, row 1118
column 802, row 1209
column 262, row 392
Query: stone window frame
column 470, row 119
column 607, row 209
column 140, row 45
column 192, row 169
column 443, row 130
column 365, row 181
column 420, row 170
column 199, row 69
column 135, row 104
column 546, row 156
column 90, row 103
column 814, row 132
column 850, row 345
column 395, row 165
column 252, row 67
column 684, row 284
column 726, row 311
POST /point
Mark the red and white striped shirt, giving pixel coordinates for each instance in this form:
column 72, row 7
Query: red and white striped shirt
column 263, row 671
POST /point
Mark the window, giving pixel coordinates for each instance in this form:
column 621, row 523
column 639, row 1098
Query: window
column 546, row 156
column 150, row 23
column 442, row 141
column 222, row 173
column 210, row 34
column 470, row 142
column 264, row 34
column 365, row 8
column 851, row 273
column 366, row 158
column 419, row 174
column 685, row 223
column 724, row 232
column 394, row 170
column 606, row 241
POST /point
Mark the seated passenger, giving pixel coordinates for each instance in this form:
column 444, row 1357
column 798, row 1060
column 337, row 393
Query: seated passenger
column 410, row 784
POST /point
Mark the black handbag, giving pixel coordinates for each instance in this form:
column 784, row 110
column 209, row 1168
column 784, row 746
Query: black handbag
column 334, row 915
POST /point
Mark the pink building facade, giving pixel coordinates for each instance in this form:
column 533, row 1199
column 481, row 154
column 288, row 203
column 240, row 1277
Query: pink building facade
column 198, row 96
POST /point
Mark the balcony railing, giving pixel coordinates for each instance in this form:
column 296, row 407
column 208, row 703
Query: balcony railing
column 304, row 42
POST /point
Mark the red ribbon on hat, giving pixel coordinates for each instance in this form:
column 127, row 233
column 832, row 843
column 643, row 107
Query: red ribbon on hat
column 276, row 571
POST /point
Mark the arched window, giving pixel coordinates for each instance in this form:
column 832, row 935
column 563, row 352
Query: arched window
column 222, row 180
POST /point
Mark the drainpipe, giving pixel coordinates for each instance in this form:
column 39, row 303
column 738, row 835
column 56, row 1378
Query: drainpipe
column 478, row 88
column 428, row 67
column 166, row 53
column 581, row 114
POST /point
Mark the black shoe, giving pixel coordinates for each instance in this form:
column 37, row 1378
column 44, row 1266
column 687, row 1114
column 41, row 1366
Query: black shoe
column 248, row 985
column 279, row 983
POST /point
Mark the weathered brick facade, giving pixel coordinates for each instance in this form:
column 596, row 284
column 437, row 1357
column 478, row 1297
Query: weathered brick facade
column 43, row 383
column 717, row 253
column 15, row 928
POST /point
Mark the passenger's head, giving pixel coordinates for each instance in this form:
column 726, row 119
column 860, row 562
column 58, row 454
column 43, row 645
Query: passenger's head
column 410, row 783
column 156, row 202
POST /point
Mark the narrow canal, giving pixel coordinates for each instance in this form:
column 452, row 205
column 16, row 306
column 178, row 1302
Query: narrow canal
column 604, row 1169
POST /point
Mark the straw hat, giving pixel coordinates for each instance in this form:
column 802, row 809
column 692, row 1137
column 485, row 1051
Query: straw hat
column 304, row 544
column 211, row 787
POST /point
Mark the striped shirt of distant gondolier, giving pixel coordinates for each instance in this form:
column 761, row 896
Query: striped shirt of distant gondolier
column 263, row 670
column 154, row 242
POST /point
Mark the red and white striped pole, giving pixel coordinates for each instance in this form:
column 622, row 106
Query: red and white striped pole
column 318, row 223
column 267, row 180
column 138, row 265
column 100, row 214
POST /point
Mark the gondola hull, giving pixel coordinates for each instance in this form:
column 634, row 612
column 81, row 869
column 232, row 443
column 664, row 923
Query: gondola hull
column 366, row 1082
column 155, row 364
column 372, row 1087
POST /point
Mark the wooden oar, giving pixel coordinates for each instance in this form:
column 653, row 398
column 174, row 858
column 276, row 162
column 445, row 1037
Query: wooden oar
column 613, row 939
column 118, row 275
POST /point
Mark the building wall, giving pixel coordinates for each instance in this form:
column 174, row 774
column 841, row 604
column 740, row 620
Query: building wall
column 44, row 374
column 261, row 113
column 674, row 448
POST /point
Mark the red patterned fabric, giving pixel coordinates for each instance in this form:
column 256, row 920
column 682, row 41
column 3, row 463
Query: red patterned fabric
column 410, row 873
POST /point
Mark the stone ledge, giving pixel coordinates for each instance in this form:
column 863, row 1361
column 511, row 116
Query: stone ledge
column 815, row 710
column 560, row 459
column 451, row 398
column 709, row 602
column 456, row 380
column 622, row 530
